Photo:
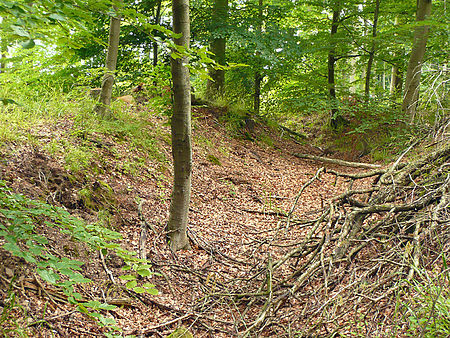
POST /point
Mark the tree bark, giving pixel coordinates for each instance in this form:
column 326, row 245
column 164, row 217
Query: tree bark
column 372, row 50
column 396, row 80
column 219, row 19
column 336, row 119
column 258, row 76
column 155, row 45
column 181, row 133
column 395, row 89
column 102, row 107
column 414, row 70
column 4, row 50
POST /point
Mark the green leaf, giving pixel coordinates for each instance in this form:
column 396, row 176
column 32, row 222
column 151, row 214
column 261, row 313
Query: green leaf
column 127, row 277
column 107, row 321
column 8, row 101
column 131, row 284
column 58, row 17
column 13, row 248
column 152, row 291
column 77, row 296
column 18, row 30
column 94, row 304
column 139, row 289
column 107, row 307
column 48, row 276
column 28, row 44
column 144, row 272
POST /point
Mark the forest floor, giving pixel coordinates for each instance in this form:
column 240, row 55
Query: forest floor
column 242, row 192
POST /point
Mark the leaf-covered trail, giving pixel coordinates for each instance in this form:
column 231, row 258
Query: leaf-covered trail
column 242, row 191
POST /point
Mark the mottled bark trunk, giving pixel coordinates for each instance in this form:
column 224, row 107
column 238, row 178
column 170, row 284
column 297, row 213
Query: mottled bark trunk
column 4, row 49
column 102, row 107
column 219, row 18
column 395, row 89
column 396, row 81
column 181, row 133
column 258, row 75
column 257, row 93
column 372, row 50
column 336, row 119
column 414, row 69
column 155, row 45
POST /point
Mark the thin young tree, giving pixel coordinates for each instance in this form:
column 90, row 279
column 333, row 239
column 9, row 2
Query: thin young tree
column 414, row 69
column 181, row 132
column 215, row 85
column 258, row 74
column 157, row 21
column 372, row 49
column 336, row 119
column 102, row 107
column 396, row 72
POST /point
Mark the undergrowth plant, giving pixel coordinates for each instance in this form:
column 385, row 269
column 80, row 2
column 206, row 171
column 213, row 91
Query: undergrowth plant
column 9, row 324
column 20, row 220
column 428, row 311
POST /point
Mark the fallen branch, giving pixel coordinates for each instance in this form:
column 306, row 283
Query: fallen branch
column 304, row 186
column 338, row 162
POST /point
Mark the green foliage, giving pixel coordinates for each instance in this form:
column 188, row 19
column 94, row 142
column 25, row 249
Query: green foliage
column 22, row 221
column 181, row 332
column 428, row 312
column 266, row 139
column 213, row 159
column 234, row 118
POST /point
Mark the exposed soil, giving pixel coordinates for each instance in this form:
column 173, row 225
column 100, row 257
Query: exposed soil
column 241, row 193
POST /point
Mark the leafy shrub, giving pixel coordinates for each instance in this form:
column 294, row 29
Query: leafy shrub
column 428, row 312
column 21, row 217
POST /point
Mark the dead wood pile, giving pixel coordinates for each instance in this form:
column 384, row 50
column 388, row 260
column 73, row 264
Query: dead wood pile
column 362, row 248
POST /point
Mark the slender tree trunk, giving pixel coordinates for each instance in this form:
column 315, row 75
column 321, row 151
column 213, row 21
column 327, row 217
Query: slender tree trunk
column 352, row 75
column 258, row 76
column 336, row 119
column 219, row 18
column 257, row 94
column 155, row 45
column 395, row 89
column 181, row 133
column 372, row 50
column 396, row 81
column 414, row 70
column 4, row 50
column 102, row 107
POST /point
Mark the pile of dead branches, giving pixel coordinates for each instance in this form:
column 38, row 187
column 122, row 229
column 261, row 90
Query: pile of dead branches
column 361, row 250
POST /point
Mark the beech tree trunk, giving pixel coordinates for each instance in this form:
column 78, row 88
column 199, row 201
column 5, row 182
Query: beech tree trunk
column 414, row 70
column 219, row 19
column 181, row 133
column 257, row 93
column 102, row 107
column 336, row 119
column 396, row 80
column 372, row 50
column 395, row 89
column 4, row 49
column 258, row 76
column 155, row 45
